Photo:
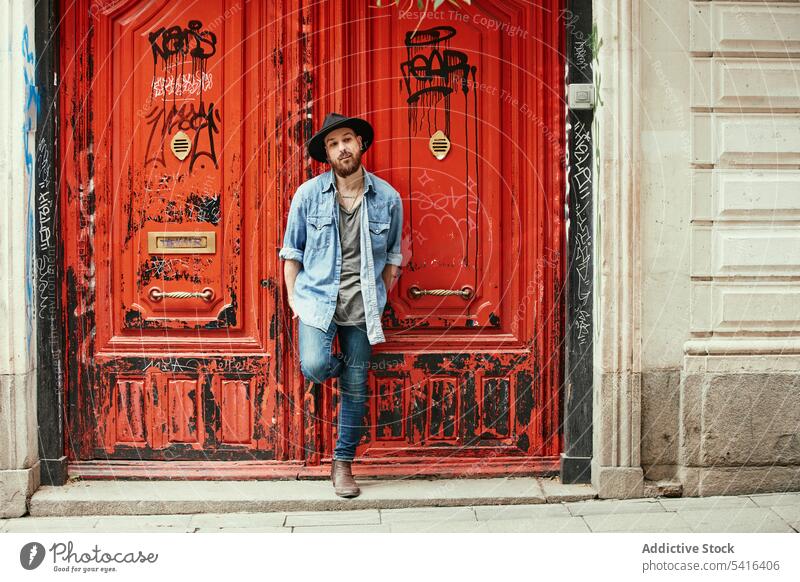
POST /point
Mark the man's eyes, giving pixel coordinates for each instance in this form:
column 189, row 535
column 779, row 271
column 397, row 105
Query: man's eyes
column 333, row 143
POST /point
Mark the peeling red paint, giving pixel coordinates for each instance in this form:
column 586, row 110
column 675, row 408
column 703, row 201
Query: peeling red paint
column 156, row 376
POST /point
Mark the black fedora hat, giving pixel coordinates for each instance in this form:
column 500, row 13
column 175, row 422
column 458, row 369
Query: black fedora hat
column 316, row 145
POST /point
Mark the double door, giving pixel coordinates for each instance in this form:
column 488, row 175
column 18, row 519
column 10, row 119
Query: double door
column 183, row 130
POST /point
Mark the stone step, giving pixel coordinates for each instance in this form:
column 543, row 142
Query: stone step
column 183, row 497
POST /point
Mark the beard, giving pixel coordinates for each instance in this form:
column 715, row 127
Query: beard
column 347, row 166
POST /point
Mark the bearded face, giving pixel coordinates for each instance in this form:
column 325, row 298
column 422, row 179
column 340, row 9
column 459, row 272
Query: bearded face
column 343, row 148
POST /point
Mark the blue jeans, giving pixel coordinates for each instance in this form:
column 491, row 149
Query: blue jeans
column 318, row 364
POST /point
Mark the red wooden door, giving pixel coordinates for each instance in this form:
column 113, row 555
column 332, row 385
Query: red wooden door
column 468, row 112
column 166, row 186
column 182, row 131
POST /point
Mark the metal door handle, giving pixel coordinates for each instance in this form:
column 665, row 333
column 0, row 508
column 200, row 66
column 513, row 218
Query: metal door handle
column 466, row 292
column 157, row 294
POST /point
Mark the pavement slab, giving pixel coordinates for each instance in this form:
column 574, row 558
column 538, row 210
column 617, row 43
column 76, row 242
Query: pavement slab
column 460, row 526
column 741, row 520
column 614, row 506
column 50, row 525
column 261, row 529
column 144, row 523
column 664, row 522
column 440, row 514
column 543, row 525
column 714, row 502
column 505, row 512
column 790, row 514
column 514, row 504
column 328, row 518
column 237, row 520
column 771, row 499
column 361, row 528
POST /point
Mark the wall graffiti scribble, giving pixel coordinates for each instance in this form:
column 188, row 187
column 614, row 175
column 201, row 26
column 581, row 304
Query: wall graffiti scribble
column 581, row 171
column 31, row 108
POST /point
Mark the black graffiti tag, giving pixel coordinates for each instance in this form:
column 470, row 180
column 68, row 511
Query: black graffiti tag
column 172, row 46
column 430, row 75
column 177, row 41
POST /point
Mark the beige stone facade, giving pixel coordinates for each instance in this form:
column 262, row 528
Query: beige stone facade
column 705, row 95
column 19, row 469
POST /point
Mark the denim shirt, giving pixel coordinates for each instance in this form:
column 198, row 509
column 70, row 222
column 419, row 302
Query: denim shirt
column 312, row 238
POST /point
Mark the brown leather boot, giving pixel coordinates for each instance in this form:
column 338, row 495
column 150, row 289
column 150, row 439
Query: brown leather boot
column 343, row 482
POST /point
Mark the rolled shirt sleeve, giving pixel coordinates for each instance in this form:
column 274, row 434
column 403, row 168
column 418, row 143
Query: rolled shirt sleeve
column 294, row 239
column 394, row 255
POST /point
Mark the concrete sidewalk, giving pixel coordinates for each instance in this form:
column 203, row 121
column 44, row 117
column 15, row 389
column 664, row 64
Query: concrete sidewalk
column 452, row 505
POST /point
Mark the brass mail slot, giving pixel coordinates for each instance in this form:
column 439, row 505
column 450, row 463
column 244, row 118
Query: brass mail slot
column 194, row 243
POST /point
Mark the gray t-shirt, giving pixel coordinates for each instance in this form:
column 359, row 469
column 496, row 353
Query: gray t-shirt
column 349, row 303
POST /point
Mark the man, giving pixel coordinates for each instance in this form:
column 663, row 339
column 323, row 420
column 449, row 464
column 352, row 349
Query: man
column 342, row 255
